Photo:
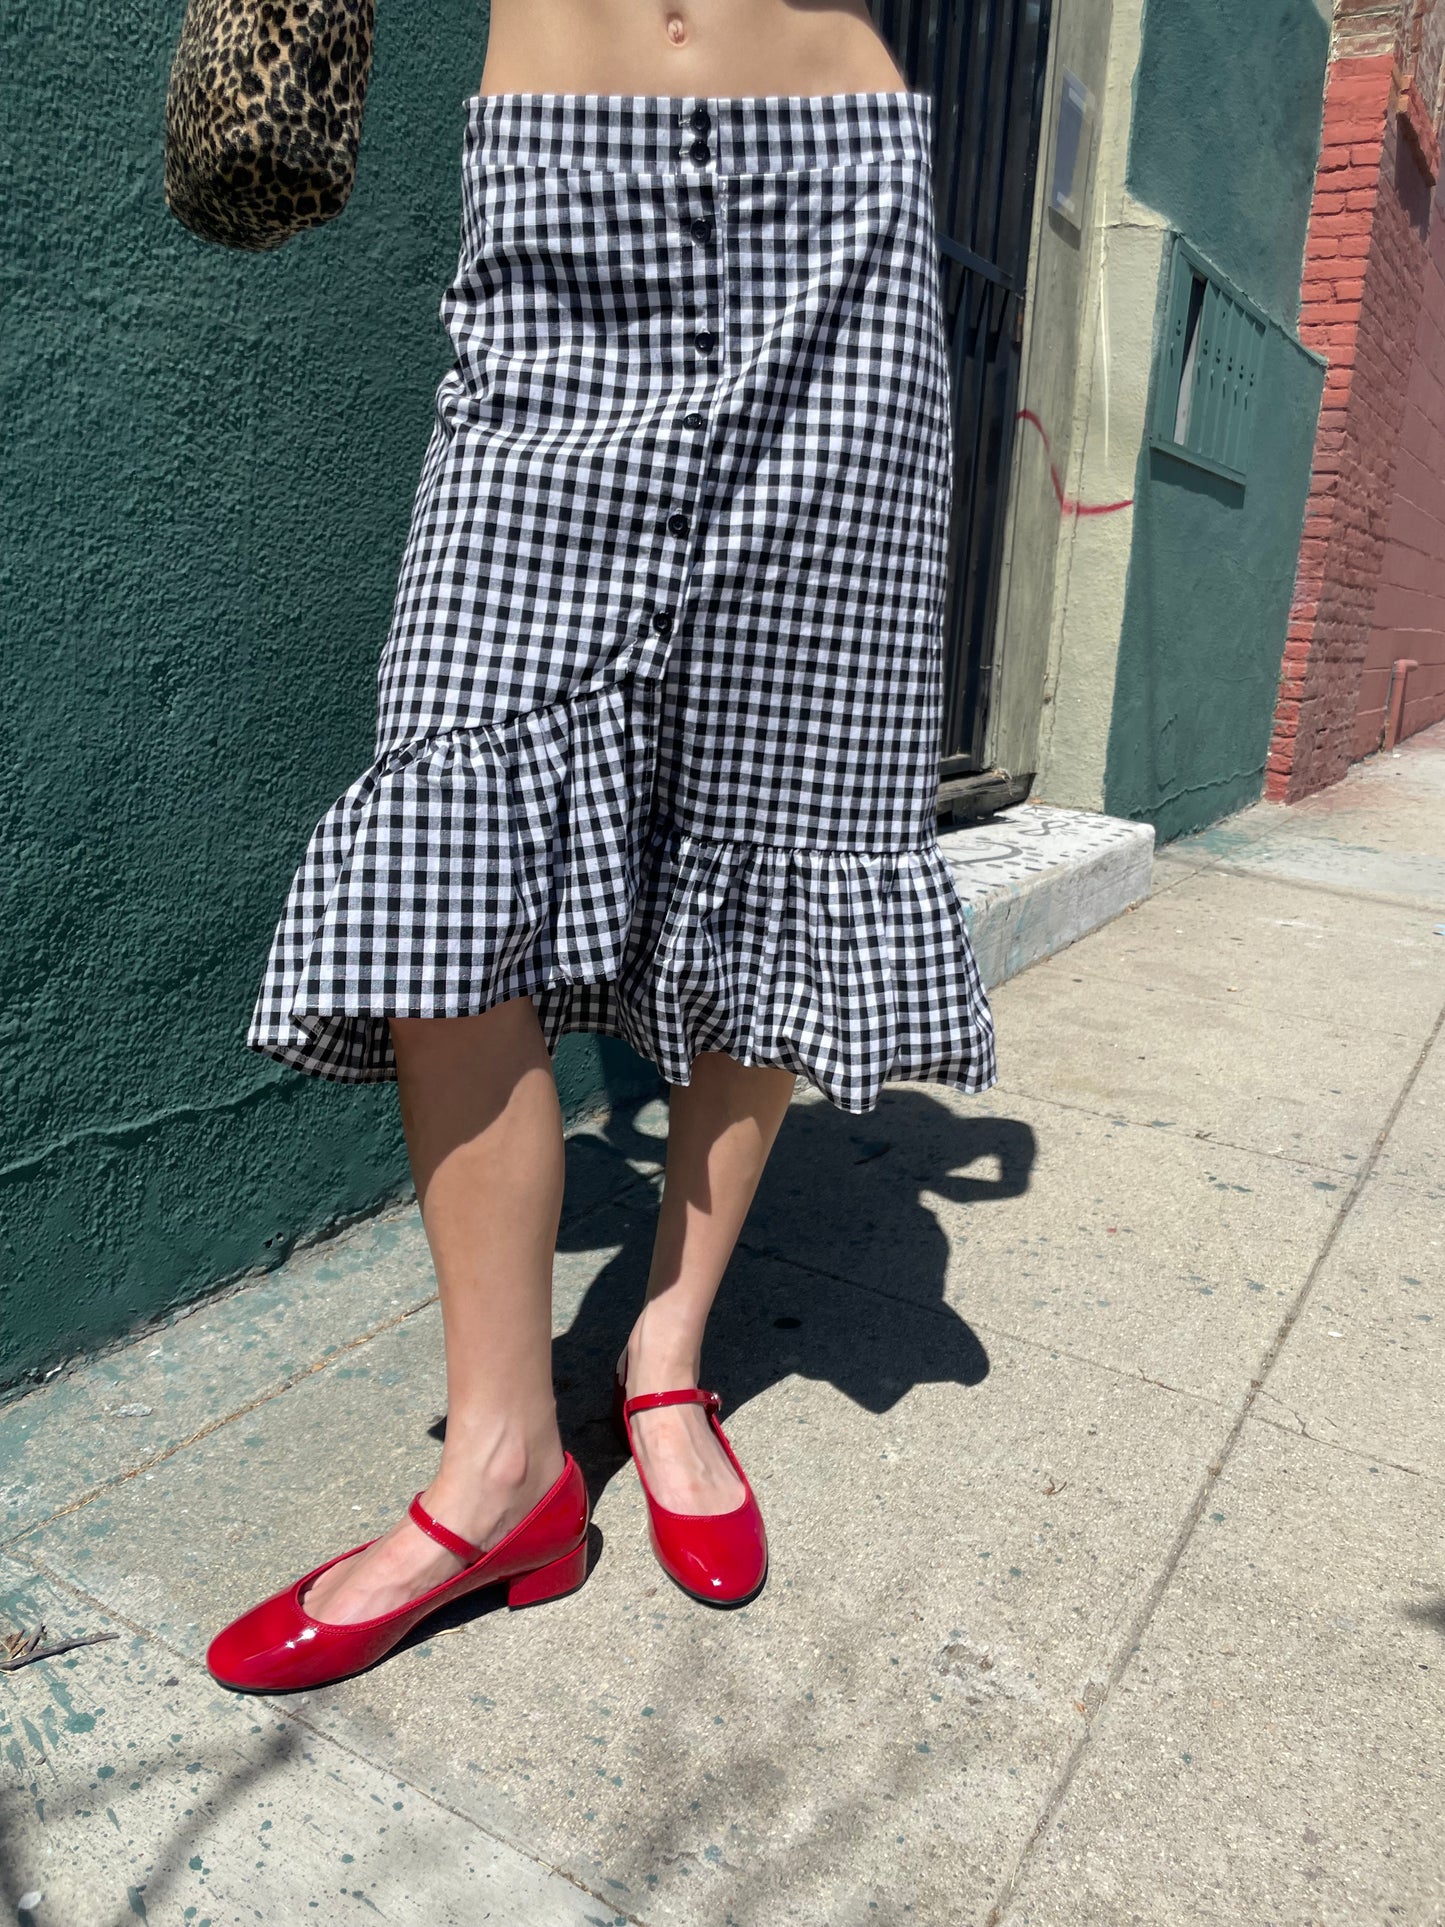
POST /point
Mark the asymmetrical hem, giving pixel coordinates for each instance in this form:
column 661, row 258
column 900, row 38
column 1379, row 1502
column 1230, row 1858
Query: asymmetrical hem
column 661, row 703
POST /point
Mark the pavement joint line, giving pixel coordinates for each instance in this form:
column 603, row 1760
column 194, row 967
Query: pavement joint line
column 276, row 1390
column 1179, row 852
column 364, row 1338
column 1425, row 1186
column 289, row 1712
column 215, row 1425
column 213, row 1295
column 1139, row 1625
column 988, row 1329
column 364, row 1221
column 1188, row 869
column 1198, row 1137
column 1251, row 875
column 1336, row 1445
column 1028, row 1343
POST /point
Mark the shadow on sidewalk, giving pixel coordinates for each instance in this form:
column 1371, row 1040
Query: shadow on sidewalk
column 1428, row 1612
column 913, row 1146
column 201, row 1806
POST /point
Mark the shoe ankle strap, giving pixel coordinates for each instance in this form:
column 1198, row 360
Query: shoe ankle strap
column 444, row 1536
column 649, row 1401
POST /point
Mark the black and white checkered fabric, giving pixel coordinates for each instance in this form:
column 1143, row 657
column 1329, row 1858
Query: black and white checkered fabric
column 660, row 710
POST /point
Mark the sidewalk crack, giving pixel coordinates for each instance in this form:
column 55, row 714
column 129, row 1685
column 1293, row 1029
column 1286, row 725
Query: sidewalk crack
column 1338, row 1445
column 215, row 1424
column 1138, row 1626
column 1210, row 1138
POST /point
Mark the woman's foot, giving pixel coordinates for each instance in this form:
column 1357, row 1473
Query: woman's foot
column 278, row 1647
column 481, row 1505
column 676, row 1449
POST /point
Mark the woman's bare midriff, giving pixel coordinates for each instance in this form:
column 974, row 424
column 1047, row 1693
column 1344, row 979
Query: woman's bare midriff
column 713, row 48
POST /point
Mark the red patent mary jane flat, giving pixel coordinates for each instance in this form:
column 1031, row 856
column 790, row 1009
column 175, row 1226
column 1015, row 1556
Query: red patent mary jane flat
column 720, row 1558
column 277, row 1647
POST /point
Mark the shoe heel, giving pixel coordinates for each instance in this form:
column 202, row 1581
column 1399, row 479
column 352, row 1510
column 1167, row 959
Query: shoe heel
column 549, row 1582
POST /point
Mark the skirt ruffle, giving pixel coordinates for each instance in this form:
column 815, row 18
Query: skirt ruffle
column 522, row 858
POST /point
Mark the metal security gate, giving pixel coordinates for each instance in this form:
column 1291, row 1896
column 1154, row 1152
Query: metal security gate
column 983, row 62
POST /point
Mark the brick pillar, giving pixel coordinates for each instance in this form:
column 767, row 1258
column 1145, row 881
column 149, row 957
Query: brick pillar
column 1364, row 268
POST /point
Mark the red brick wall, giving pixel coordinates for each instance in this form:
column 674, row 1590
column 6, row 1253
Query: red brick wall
column 1372, row 561
column 1409, row 611
column 1363, row 270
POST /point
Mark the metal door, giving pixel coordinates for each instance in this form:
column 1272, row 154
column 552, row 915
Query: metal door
column 983, row 62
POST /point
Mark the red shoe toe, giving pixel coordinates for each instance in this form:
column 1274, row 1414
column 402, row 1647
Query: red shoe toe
column 277, row 1647
column 720, row 1558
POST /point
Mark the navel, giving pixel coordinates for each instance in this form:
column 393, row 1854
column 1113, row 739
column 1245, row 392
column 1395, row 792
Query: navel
column 676, row 29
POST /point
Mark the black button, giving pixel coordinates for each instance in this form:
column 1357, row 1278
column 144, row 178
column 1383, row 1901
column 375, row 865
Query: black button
column 678, row 525
column 704, row 342
column 662, row 622
column 694, row 421
column 699, row 150
column 699, row 120
column 701, row 229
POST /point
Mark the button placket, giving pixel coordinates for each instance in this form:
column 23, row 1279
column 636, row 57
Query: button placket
column 695, row 229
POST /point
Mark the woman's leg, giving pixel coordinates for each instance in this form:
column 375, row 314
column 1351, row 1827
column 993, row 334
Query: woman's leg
column 721, row 1129
column 484, row 1134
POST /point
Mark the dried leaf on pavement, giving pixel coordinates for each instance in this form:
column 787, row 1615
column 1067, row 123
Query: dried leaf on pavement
column 23, row 1649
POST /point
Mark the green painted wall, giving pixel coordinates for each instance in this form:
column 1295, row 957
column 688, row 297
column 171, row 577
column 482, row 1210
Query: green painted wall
column 1228, row 99
column 1211, row 573
column 1228, row 103
column 210, row 465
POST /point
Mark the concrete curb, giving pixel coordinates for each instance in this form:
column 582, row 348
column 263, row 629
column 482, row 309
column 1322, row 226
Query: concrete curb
column 1035, row 879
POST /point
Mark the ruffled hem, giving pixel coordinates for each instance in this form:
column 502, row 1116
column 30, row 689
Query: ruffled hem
column 501, row 861
column 852, row 969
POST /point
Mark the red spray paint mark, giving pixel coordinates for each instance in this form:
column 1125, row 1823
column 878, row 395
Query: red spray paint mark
column 1067, row 505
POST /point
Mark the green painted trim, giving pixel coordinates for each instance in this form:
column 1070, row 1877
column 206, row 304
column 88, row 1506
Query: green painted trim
column 1185, row 267
column 1183, row 249
column 1210, row 578
column 1194, row 460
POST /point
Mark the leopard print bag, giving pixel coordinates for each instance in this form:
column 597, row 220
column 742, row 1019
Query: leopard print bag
column 263, row 116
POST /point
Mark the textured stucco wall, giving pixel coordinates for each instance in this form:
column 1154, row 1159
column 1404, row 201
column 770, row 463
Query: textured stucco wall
column 1226, row 130
column 1058, row 344
column 210, row 464
column 1229, row 96
column 1086, row 378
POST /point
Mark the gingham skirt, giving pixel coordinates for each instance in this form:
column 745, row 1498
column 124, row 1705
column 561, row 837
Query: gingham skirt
column 660, row 708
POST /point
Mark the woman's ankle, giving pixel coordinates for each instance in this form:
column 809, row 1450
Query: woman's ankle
column 487, row 1475
column 659, row 1357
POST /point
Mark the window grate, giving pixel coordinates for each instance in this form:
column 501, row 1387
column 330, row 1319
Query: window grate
column 1210, row 356
column 984, row 63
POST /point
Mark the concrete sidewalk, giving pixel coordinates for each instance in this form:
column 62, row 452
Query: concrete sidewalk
column 1098, row 1429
